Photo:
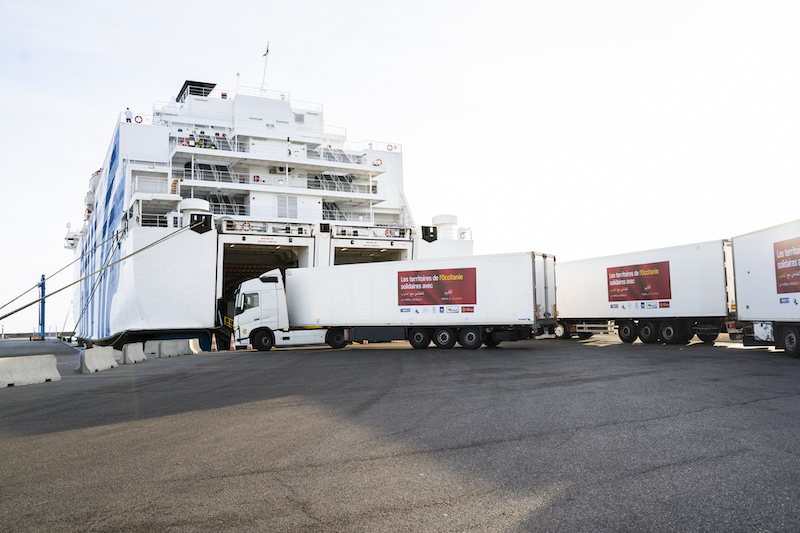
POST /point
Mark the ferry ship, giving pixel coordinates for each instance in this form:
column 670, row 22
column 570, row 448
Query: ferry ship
column 216, row 187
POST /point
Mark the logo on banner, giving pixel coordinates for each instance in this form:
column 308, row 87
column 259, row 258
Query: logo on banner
column 787, row 265
column 652, row 305
column 468, row 309
column 648, row 281
column 442, row 287
column 663, row 304
column 452, row 309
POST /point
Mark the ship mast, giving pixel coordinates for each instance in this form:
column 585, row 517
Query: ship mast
column 264, row 77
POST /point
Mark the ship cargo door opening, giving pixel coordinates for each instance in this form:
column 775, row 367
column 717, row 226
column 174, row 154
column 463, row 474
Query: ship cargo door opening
column 346, row 255
column 241, row 262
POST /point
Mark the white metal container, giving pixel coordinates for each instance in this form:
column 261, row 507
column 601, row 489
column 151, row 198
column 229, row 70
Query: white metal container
column 508, row 289
column 767, row 271
column 680, row 281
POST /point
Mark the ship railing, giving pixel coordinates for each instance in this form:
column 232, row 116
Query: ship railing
column 154, row 221
column 374, row 232
column 333, row 183
column 262, row 226
column 137, row 118
column 220, row 176
column 231, row 209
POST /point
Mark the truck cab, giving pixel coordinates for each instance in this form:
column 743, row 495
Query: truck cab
column 261, row 317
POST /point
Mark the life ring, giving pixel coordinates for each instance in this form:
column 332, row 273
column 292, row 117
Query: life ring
column 389, row 233
column 256, row 179
column 184, row 141
column 138, row 119
column 378, row 162
column 246, row 226
column 389, row 147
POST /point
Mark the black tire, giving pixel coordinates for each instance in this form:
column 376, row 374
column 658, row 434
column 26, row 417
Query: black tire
column 648, row 333
column 561, row 331
column 335, row 338
column 668, row 331
column 585, row 335
column 708, row 338
column 444, row 338
column 263, row 341
column 470, row 338
column 627, row 331
column 419, row 338
column 791, row 342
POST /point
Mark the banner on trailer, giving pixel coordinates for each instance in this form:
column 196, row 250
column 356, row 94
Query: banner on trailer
column 648, row 281
column 787, row 265
column 436, row 287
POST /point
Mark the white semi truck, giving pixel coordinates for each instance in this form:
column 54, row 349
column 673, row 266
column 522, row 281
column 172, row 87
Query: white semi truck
column 767, row 273
column 470, row 300
column 668, row 294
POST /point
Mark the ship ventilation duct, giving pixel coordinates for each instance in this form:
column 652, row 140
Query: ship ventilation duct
column 447, row 227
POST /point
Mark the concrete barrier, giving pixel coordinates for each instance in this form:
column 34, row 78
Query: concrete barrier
column 27, row 370
column 133, row 353
column 177, row 347
column 98, row 359
column 152, row 349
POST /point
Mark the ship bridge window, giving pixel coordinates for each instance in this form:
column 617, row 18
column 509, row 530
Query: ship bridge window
column 300, row 118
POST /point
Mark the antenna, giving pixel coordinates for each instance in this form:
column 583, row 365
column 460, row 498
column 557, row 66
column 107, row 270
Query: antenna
column 264, row 77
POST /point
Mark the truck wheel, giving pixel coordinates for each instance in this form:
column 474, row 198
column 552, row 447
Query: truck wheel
column 585, row 335
column 335, row 338
column 791, row 342
column 627, row 331
column 490, row 343
column 647, row 332
column 470, row 338
column 419, row 338
column 707, row 338
column 444, row 338
column 561, row 331
column 668, row 331
column 262, row 341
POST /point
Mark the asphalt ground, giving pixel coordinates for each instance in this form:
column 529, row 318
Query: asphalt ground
column 541, row 435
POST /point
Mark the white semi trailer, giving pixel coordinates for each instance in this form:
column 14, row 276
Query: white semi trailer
column 668, row 294
column 767, row 273
column 471, row 300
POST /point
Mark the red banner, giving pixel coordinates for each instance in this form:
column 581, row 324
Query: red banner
column 787, row 265
column 649, row 281
column 436, row 287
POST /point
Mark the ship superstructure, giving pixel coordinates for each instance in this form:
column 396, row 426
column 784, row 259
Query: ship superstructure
column 275, row 187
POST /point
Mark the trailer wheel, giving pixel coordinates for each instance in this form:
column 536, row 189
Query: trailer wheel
column 444, row 338
column 627, row 331
column 707, row 338
column 668, row 331
column 335, row 338
column 490, row 342
column 419, row 338
column 262, row 341
column 791, row 343
column 647, row 332
column 561, row 331
column 470, row 338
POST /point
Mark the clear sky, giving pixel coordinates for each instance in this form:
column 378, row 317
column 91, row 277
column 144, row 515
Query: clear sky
column 573, row 127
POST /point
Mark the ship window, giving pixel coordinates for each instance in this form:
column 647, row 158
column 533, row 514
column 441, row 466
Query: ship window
column 300, row 118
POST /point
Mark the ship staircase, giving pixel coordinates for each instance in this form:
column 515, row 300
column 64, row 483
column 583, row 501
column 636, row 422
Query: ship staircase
column 331, row 211
column 334, row 182
column 226, row 204
column 326, row 153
